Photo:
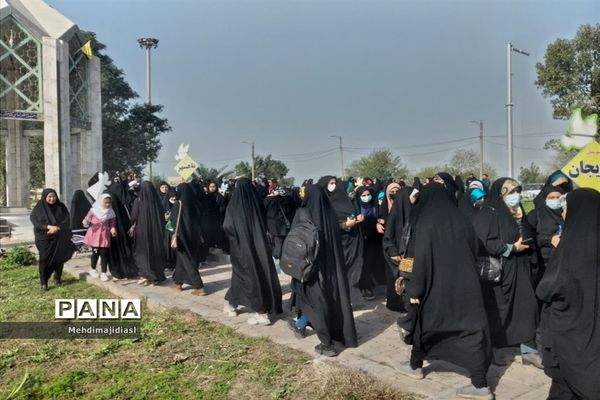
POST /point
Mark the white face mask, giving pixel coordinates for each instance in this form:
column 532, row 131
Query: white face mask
column 331, row 187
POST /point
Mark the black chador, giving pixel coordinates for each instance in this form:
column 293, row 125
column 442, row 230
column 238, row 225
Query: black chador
column 254, row 281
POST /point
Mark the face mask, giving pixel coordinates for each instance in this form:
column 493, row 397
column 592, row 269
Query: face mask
column 554, row 204
column 513, row 200
column 366, row 199
column 331, row 187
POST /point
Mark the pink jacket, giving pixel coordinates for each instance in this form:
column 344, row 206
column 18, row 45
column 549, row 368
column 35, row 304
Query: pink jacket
column 98, row 233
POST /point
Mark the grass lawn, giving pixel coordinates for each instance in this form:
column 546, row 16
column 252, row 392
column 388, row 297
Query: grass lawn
column 179, row 356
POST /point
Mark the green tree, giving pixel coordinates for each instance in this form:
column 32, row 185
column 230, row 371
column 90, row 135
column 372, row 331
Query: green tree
column 264, row 167
column 531, row 174
column 570, row 77
column 428, row 172
column 130, row 131
column 465, row 162
column 213, row 173
column 379, row 164
column 570, row 73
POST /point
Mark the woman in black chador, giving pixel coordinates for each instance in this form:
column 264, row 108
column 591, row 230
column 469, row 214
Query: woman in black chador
column 254, row 281
column 444, row 285
column 185, row 216
column 121, row 260
column 395, row 245
column 148, row 219
column 51, row 227
column 324, row 302
column 511, row 304
column 570, row 291
column 349, row 220
column 80, row 205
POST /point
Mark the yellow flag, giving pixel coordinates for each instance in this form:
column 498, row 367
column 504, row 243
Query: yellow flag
column 87, row 49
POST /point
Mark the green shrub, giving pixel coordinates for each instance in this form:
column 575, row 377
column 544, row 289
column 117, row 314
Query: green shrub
column 17, row 257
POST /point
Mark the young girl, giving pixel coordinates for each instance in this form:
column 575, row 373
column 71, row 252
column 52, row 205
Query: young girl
column 101, row 221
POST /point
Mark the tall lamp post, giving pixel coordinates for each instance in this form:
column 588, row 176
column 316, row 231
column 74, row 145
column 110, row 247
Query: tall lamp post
column 341, row 153
column 252, row 144
column 480, row 123
column 509, row 105
column 148, row 44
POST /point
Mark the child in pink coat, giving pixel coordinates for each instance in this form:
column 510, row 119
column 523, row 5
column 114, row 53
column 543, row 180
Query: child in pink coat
column 101, row 224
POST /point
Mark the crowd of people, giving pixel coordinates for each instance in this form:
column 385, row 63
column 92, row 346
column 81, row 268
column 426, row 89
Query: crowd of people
column 468, row 271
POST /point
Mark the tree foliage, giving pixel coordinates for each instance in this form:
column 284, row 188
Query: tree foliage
column 465, row 162
column 264, row 167
column 570, row 77
column 212, row 174
column 570, row 73
column 379, row 164
column 130, row 131
column 531, row 174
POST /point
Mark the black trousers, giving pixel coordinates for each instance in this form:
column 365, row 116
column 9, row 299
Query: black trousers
column 46, row 269
column 101, row 252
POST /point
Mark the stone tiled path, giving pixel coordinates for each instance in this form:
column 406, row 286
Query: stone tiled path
column 379, row 344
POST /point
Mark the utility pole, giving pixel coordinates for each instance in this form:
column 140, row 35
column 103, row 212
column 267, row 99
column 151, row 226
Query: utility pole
column 253, row 165
column 341, row 153
column 480, row 122
column 509, row 106
column 148, row 44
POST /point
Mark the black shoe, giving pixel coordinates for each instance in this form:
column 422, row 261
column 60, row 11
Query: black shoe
column 44, row 287
column 367, row 294
column 328, row 350
column 58, row 282
column 300, row 333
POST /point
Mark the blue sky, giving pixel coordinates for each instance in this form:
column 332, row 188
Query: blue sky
column 383, row 74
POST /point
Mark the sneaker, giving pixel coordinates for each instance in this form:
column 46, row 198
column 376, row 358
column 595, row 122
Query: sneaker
column 327, row 350
column 104, row 277
column 471, row 392
column 143, row 282
column 259, row 319
column 300, row 333
column 229, row 310
column 199, row 292
column 367, row 294
column 405, row 369
column 44, row 288
column 94, row 273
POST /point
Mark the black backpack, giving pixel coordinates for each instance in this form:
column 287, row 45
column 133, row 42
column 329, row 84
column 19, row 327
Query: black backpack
column 299, row 251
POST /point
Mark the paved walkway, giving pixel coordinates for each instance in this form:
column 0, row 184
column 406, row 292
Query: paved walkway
column 379, row 348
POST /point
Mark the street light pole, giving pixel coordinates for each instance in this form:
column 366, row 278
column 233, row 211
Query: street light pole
column 341, row 153
column 480, row 122
column 509, row 105
column 148, row 44
column 252, row 144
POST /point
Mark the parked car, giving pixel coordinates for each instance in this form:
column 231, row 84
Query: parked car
column 530, row 190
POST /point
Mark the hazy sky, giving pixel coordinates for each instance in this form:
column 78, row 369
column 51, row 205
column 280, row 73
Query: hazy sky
column 288, row 74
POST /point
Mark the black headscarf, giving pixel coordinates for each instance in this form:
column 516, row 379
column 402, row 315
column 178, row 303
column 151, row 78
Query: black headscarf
column 254, row 281
column 570, row 290
column 164, row 197
column 80, row 206
column 149, row 218
column 393, row 243
column 459, row 184
column 56, row 248
column 326, row 300
column 546, row 222
column 339, row 198
column 450, row 186
column 453, row 324
column 567, row 187
column 352, row 240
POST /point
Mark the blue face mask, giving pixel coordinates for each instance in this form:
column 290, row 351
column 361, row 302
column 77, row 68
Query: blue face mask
column 553, row 204
column 513, row 200
column 366, row 199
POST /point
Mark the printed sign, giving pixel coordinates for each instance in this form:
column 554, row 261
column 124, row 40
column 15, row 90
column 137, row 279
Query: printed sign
column 584, row 168
column 186, row 167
